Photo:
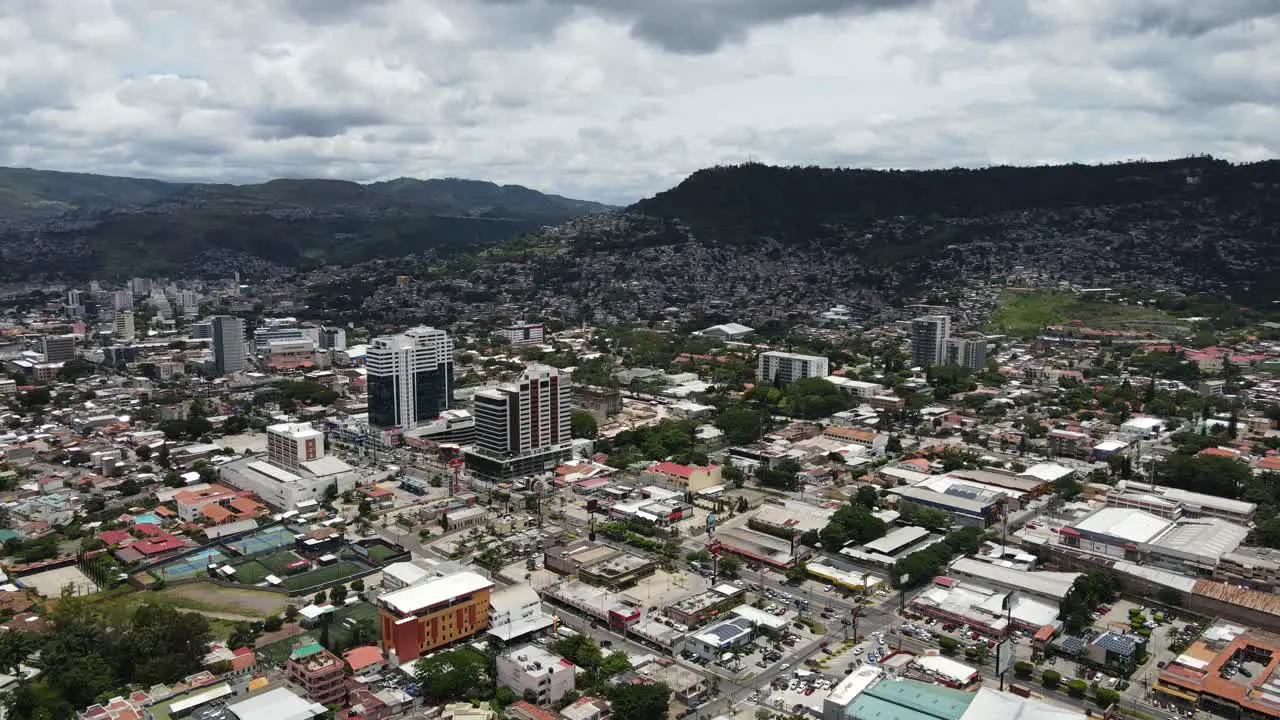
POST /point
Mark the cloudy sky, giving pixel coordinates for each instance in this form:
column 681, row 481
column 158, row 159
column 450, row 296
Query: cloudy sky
column 616, row 99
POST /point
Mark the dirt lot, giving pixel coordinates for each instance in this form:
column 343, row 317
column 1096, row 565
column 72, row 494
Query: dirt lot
column 50, row 582
column 215, row 598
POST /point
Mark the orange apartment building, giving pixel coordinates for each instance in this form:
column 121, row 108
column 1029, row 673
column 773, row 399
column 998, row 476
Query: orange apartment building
column 420, row 618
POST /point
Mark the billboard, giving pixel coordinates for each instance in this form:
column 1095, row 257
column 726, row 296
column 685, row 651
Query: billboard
column 1004, row 657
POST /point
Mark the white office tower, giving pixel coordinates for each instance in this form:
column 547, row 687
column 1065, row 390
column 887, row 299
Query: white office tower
column 522, row 428
column 188, row 303
column 75, row 304
column 929, row 340
column 291, row 444
column 59, row 348
column 968, row 351
column 95, row 286
column 122, row 300
column 124, row 328
column 228, row 344
column 163, row 308
column 410, row 377
column 140, row 286
column 781, row 368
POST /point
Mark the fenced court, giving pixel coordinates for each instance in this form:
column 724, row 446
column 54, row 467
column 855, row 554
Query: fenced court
column 331, row 573
column 195, row 564
column 257, row 569
column 268, row 539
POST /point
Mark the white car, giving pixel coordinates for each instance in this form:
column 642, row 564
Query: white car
column 857, row 651
column 1111, row 682
column 784, row 666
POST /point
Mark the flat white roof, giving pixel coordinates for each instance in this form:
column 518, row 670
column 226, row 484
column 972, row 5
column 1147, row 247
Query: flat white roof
column 760, row 617
column 989, row 703
column 1047, row 471
column 946, row 667
column 414, row 598
column 273, row 472
column 853, row 685
column 278, row 704
column 1129, row 524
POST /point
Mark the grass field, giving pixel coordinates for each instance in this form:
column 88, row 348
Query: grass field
column 379, row 554
column 319, row 576
column 251, row 572
column 1025, row 313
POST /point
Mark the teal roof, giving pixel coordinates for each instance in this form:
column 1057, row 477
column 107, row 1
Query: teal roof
column 7, row 534
column 306, row 650
column 910, row 700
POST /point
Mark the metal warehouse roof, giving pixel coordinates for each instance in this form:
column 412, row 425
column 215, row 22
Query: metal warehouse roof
column 1126, row 524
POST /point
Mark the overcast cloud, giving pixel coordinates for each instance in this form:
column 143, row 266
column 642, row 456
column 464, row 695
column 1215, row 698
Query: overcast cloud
column 617, row 99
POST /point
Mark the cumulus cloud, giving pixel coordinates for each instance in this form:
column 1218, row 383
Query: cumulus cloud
column 617, row 99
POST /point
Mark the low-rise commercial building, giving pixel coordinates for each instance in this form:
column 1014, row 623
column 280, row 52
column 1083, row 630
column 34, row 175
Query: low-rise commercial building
column 1197, row 679
column 991, row 611
column 1176, row 504
column 432, row 614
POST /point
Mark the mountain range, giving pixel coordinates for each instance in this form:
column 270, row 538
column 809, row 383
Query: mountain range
column 1194, row 224
column 80, row 225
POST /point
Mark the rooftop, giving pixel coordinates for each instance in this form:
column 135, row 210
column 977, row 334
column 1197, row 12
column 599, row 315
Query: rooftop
column 1041, row 582
column 277, row 704
column 1126, row 524
column 415, row 598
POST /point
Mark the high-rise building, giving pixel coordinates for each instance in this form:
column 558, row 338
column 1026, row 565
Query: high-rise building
column 333, row 338
column 228, row 344
column 522, row 428
column 782, row 368
column 188, row 303
column 929, row 339
column 59, row 348
column 140, row 286
column 75, row 297
column 410, row 377
column 291, row 444
column 968, row 351
column 122, row 300
column 124, row 327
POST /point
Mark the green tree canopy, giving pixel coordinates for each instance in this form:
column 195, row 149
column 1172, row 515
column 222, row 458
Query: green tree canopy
column 582, row 424
column 454, row 675
column 639, row 702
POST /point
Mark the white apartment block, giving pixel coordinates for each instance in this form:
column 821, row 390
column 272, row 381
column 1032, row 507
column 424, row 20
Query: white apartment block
column 528, row 334
column 529, row 668
column 784, row 367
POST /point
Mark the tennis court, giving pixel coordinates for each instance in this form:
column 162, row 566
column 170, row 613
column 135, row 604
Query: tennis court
column 195, row 564
column 268, row 539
